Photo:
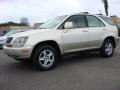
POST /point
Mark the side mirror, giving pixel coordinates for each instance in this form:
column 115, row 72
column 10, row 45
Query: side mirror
column 68, row 25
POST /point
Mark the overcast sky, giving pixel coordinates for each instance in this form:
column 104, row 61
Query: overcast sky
column 41, row 10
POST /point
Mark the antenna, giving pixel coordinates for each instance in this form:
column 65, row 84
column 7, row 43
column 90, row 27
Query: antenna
column 100, row 11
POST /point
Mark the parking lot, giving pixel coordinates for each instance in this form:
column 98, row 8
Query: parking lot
column 77, row 72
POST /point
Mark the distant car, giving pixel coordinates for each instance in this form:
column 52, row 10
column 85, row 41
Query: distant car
column 4, row 38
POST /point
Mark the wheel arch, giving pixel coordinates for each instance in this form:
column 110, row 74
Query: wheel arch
column 48, row 42
column 112, row 38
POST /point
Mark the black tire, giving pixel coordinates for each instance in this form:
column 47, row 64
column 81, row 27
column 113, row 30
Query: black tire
column 39, row 64
column 104, row 52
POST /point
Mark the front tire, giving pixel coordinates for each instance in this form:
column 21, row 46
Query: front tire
column 45, row 57
column 107, row 49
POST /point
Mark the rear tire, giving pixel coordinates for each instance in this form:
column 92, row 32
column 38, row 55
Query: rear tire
column 107, row 49
column 45, row 57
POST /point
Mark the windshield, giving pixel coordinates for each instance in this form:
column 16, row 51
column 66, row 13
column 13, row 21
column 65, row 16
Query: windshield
column 53, row 22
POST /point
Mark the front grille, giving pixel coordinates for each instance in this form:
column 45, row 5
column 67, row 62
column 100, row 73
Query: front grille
column 9, row 39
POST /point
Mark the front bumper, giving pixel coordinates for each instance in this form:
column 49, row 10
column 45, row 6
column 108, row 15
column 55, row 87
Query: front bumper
column 117, row 40
column 18, row 53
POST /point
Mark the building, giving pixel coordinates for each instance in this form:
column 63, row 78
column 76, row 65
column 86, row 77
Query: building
column 36, row 25
column 116, row 20
column 5, row 29
column 25, row 21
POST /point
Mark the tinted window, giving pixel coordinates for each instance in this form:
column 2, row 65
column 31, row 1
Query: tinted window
column 77, row 20
column 109, row 21
column 94, row 21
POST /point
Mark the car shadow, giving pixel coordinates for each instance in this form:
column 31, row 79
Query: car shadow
column 17, row 66
column 80, row 58
column 66, row 60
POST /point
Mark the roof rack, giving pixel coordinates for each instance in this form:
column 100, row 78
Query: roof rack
column 84, row 12
column 99, row 14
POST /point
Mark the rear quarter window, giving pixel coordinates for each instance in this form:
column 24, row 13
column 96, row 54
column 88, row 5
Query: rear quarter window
column 108, row 20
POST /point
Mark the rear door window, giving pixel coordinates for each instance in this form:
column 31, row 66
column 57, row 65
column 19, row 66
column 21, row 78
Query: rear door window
column 94, row 21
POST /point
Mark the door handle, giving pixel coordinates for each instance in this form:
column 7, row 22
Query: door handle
column 85, row 31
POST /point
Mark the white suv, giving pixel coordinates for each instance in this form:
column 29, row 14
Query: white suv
column 63, row 35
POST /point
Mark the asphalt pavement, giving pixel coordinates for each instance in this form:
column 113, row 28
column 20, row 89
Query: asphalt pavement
column 77, row 72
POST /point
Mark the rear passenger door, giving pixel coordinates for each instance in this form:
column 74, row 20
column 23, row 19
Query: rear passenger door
column 96, row 30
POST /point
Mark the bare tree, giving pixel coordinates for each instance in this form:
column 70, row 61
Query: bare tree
column 105, row 2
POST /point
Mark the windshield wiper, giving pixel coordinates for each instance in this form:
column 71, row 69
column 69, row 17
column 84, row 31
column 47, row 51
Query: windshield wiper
column 42, row 28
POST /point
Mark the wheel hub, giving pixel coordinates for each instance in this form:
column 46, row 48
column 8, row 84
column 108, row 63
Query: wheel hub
column 108, row 48
column 46, row 58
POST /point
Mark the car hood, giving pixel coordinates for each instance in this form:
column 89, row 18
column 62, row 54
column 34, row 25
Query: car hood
column 3, row 37
column 30, row 32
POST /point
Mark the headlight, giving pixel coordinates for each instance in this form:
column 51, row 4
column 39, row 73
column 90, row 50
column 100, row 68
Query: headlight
column 19, row 42
column 3, row 40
